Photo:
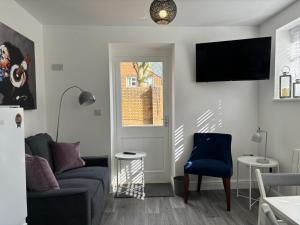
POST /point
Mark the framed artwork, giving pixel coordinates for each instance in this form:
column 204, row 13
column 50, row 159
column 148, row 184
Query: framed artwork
column 296, row 89
column 17, row 69
column 285, row 83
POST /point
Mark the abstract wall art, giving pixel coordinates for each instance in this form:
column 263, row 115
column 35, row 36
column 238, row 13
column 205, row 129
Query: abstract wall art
column 17, row 69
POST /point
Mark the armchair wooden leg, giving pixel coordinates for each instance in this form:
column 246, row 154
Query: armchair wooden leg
column 186, row 187
column 199, row 182
column 226, row 183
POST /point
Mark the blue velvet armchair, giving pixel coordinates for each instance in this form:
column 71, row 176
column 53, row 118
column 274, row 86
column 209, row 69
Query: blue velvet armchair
column 211, row 156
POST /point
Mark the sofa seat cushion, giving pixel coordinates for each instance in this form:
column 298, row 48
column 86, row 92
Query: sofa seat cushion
column 208, row 167
column 97, row 173
column 94, row 188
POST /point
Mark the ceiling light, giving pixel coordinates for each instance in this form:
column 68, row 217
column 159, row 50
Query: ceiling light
column 163, row 11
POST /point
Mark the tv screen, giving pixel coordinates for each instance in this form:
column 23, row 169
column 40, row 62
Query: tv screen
column 247, row 59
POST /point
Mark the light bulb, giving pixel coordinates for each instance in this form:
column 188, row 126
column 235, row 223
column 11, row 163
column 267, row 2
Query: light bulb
column 163, row 13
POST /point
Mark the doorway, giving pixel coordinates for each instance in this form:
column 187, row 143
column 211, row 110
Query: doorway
column 142, row 107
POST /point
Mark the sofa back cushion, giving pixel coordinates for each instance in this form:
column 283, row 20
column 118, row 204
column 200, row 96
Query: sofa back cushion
column 40, row 146
column 27, row 149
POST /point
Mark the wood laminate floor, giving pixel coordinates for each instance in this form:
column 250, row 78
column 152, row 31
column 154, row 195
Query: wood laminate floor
column 204, row 208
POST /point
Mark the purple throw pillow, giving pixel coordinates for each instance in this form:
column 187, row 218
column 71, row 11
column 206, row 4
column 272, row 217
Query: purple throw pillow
column 66, row 156
column 39, row 176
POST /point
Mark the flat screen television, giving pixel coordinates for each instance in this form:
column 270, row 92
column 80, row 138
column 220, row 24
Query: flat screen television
column 247, row 59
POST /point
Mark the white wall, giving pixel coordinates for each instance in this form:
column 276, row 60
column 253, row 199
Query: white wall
column 280, row 119
column 20, row 20
column 84, row 53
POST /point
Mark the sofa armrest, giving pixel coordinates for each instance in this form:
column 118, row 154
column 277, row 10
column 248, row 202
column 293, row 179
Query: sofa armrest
column 60, row 207
column 96, row 161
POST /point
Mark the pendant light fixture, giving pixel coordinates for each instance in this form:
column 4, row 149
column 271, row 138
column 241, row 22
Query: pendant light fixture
column 163, row 11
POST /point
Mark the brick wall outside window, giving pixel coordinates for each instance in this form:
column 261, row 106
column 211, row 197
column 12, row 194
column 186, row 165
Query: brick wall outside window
column 141, row 105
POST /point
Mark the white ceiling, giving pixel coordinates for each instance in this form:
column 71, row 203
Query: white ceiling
column 136, row 12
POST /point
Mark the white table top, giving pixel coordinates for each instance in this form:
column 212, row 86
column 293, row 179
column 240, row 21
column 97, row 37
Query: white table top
column 138, row 155
column 286, row 208
column 251, row 160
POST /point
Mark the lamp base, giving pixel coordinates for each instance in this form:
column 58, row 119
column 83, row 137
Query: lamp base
column 263, row 161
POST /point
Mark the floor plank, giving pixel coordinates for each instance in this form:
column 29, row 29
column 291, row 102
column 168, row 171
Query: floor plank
column 205, row 208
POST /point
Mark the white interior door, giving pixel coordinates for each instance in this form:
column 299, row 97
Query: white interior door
column 141, row 111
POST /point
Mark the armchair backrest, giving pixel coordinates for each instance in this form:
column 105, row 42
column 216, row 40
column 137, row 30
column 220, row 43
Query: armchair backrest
column 212, row 146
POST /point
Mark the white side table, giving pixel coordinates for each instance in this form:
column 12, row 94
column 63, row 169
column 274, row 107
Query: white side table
column 128, row 157
column 250, row 161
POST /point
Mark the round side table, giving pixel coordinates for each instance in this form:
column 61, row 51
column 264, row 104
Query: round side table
column 250, row 161
column 130, row 157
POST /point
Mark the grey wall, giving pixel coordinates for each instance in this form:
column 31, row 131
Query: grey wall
column 84, row 53
column 280, row 118
column 20, row 20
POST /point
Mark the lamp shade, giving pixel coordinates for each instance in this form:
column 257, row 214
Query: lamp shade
column 257, row 137
column 163, row 11
column 86, row 98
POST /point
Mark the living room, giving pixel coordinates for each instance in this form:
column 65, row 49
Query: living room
column 87, row 45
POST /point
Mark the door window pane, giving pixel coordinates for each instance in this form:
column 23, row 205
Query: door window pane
column 142, row 93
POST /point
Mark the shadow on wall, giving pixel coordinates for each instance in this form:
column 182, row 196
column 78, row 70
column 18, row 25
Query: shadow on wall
column 207, row 122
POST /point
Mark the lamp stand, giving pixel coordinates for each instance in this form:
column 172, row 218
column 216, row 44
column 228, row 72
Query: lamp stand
column 264, row 160
column 59, row 110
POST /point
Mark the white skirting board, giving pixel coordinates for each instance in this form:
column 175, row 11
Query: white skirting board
column 215, row 185
column 218, row 185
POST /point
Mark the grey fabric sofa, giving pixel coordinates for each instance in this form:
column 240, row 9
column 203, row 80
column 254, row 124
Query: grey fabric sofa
column 83, row 191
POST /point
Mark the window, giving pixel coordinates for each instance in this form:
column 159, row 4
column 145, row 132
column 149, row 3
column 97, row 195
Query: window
column 295, row 50
column 142, row 102
column 131, row 82
column 287, row 61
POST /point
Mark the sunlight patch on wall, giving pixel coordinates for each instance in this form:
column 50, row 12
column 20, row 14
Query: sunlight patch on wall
column 211, row 120
column 204, row 118
column 179, row 142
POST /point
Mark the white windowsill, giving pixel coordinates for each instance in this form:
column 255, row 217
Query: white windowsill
column 286, row 100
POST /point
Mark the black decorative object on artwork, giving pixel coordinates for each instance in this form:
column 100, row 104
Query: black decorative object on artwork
column 163, row 11
column 17, row 69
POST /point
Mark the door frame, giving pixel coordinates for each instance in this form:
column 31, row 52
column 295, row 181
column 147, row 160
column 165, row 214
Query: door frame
column 118, row 52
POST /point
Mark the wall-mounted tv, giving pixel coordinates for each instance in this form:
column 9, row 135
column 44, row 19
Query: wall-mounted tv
column 247, row 59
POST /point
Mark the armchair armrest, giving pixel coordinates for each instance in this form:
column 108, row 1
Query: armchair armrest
column 96, row 161
column 60, row 207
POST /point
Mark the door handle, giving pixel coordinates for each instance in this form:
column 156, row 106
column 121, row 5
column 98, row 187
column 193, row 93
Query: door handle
column 166, row 121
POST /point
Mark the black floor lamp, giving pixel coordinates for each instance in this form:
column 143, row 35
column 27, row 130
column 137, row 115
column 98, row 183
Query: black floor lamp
column 85, row 98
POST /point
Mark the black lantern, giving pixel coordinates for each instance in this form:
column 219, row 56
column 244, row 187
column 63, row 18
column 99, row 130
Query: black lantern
column 285, row 83
column 163, row 11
